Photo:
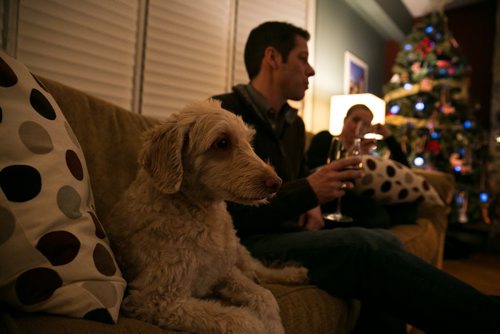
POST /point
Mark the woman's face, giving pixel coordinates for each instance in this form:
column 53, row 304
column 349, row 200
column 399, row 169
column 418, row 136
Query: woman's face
column 352, row 122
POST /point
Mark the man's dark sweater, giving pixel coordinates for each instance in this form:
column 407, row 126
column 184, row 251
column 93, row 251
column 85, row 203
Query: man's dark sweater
column 283, row 148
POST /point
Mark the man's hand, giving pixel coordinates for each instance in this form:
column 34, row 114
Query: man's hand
column 312, row 220
column 330, row 181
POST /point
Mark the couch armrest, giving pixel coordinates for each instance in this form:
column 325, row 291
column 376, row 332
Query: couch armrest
column 444, row 183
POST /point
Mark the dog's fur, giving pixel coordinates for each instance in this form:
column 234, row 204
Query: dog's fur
column 174, row 238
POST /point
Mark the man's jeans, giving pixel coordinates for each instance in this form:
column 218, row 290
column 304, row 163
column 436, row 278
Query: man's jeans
column 370, row 265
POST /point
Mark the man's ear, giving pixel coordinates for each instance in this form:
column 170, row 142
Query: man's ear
column 272, row 57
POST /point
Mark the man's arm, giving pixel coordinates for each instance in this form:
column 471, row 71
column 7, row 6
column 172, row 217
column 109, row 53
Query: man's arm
column 297, row 197
column 293, row 199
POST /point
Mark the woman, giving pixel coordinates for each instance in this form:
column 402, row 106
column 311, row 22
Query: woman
column 357, row 122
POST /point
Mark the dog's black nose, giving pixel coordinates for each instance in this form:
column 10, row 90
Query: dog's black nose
column 273, row 183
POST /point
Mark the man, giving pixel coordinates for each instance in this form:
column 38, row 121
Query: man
column 394, row 286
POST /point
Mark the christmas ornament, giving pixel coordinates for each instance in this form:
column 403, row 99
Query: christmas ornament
column 426, row 85
column 433, row 147
column 447, row 109
column 461, row 201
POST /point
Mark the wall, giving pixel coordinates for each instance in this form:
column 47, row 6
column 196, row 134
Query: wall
column 495, row 135
column 476, row 41
column 495, row 122
column 339, row 28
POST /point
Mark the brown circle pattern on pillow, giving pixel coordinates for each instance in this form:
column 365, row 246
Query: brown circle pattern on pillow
column 390, row 182
column 63, row 263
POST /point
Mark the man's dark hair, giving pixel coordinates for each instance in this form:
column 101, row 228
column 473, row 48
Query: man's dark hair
column 280, row 35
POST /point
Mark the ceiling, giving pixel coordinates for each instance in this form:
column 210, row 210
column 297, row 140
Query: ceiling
column 393, row 18
column 418, row 8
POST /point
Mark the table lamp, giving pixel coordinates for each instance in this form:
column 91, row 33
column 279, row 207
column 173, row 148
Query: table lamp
column 339, row 104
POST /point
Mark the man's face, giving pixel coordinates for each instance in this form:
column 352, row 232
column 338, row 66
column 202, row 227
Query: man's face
column 294, row 74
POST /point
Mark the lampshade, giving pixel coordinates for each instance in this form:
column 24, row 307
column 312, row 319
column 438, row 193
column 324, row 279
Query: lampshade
column 339, row 104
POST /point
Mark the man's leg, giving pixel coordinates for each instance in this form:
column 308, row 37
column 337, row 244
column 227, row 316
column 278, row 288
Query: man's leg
column 370, row 265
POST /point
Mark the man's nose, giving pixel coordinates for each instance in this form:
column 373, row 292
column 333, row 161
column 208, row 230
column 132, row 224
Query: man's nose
column 311, row 71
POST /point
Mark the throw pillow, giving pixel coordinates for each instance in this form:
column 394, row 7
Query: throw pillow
column 54, row 254
column 390, row 182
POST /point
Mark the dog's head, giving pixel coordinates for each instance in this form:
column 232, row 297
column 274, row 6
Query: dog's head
column 205, row 150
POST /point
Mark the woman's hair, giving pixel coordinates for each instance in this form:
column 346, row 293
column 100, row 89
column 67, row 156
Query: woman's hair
column 280, row 35
column 356, row 107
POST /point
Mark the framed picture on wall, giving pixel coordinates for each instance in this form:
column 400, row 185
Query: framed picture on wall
column 355, row 74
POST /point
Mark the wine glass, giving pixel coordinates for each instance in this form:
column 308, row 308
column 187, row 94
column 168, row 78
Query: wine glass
column 335, row 153
column 367, row 132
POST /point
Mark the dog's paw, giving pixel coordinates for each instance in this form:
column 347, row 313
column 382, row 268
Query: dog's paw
column 295, row 275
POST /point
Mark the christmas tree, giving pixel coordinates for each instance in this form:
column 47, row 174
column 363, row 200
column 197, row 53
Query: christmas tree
column 429, row 111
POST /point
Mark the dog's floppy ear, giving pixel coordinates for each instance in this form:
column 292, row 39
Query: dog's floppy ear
column 161, row 155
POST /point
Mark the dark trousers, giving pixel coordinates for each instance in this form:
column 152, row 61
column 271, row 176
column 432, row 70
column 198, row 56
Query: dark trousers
column 368, row 212
column 371, row 266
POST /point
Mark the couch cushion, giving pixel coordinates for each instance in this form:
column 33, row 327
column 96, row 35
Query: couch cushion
column 421, row 239
column 54, row 254
column 110, row 137
column 390, row 182
column 47, row 324
column 308, row 309
column 304, row 309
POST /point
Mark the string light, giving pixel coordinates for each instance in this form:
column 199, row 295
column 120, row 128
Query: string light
column 457, row 169
column 395, row 109
column 429, row 29
column 467, row 124
column 483, row 197
column 407, row 86
column 419, row 161
column 419, row 106
column 408, row 47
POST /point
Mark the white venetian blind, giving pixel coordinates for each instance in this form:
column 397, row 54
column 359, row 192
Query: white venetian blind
column 251, row 13
column 86, row 44
column 187, row 47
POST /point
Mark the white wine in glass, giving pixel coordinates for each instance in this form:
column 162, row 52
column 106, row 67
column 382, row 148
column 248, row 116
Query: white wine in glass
column 335, row 153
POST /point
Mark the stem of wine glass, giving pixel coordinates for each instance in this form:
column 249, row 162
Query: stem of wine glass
column 335, row 149
column 338, row 211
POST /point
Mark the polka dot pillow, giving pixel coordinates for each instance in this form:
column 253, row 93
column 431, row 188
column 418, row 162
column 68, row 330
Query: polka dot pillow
column 390, row 182
column 54, row 254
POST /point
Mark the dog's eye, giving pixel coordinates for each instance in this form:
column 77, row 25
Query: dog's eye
column 222, row 143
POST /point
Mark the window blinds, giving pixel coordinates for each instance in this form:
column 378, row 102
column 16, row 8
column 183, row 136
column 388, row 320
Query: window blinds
column 187, row 45
column 250, row 13
column 149, row 56
column 87, row 44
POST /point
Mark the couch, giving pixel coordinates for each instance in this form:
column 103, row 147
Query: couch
column 111, row 138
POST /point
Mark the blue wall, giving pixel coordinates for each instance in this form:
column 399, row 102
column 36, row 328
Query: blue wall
column 338, row 29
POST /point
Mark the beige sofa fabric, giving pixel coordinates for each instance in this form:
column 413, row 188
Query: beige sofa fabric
column 110, row 139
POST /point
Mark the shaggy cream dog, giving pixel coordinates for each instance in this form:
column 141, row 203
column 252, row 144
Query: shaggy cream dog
column 174, row 237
